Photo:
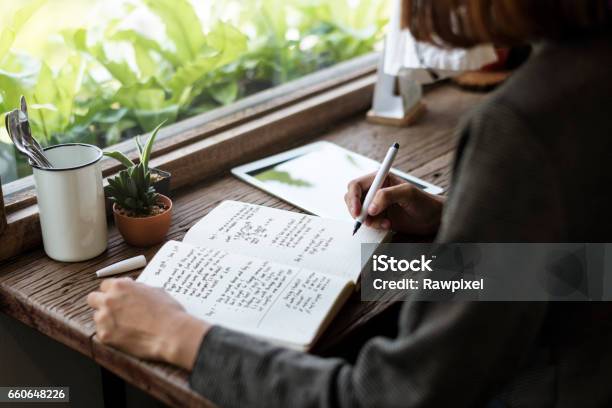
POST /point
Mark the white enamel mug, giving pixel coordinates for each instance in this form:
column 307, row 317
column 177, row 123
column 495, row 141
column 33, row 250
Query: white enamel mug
column 71, row 202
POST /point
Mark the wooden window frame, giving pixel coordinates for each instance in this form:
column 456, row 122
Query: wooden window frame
column 208, row 144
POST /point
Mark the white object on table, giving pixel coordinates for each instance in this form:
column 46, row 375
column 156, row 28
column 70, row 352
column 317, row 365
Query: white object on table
column 390, row 108
column 123, row 266
column 379, row 179
column 315, row 191
column 71, row 202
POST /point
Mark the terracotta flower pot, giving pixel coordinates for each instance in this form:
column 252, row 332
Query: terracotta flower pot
column 144, row 231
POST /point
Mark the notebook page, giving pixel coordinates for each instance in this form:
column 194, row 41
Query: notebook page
column 262, row 298
column 286, row 237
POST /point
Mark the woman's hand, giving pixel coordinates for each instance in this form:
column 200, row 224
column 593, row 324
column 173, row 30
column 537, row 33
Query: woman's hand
column 399, row 206
column 146, row 322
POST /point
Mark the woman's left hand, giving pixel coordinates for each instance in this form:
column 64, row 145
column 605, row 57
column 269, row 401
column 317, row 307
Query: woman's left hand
column 146, row 322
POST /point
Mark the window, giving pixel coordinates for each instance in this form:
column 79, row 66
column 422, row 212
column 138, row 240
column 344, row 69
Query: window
column 102, row 71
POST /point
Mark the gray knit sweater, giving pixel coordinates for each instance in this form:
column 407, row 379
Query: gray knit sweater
column 533, row 164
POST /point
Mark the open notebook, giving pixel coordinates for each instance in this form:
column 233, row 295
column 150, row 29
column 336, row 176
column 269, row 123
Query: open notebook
column 274, row 274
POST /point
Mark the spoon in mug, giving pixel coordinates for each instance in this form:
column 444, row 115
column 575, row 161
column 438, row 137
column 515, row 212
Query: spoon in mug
column 28, row 141
column 24, row 121
column 11, row 127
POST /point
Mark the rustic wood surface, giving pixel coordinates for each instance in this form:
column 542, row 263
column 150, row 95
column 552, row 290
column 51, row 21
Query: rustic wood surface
column 51, row 296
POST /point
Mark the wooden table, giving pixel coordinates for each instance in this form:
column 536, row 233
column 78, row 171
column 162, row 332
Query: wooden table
column 51, row 296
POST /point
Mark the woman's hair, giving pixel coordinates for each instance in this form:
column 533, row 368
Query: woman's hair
column 464, row 23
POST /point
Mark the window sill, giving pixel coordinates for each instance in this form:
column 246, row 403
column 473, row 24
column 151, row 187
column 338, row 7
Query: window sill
column 201, row 147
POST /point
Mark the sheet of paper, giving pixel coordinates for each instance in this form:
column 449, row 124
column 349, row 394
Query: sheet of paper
column 248, row 294
column 306, row 179
column 290, row 238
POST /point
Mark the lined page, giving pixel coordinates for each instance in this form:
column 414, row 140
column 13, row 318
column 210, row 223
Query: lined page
column 252, row 295
column 286, row 237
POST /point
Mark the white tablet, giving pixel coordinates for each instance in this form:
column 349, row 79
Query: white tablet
column 314, row 177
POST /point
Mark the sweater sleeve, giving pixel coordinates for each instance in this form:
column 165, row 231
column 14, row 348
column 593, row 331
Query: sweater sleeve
column 446, row 353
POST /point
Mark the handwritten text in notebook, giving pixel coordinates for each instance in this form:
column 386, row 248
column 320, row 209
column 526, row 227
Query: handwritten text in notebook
column 275, row 274
column 287, row 237
column 242, row 292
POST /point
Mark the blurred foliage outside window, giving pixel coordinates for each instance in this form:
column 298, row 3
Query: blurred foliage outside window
column 101, row 71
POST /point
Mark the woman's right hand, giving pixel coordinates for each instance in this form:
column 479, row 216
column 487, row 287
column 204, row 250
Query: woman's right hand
column 398, row 205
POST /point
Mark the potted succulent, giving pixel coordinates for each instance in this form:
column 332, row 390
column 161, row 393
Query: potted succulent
column 141, row 214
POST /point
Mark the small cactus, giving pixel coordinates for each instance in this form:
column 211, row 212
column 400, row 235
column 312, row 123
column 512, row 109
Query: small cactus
column 131, row 189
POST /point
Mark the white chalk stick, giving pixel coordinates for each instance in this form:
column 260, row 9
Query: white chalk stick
column 123, row 266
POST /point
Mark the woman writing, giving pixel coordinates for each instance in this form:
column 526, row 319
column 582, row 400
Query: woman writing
column 531, row 166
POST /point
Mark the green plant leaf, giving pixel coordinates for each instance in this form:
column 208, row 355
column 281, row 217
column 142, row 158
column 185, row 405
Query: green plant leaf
column 21, row 16
column 191, row 72
column 46, row 89
column 138, row 145
column 7, row 37
column 144, row 43
column 150, row 99
column 228, row 40
column 13, row 85
column 225, row 93
column 146, row 154
column 131, row 189
column 148, row 118
column 182, row 25
column 76, row 38
column 147, row 95
column 120, row 70
column 121, row 158
column 142, row 53
column 148, row 103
